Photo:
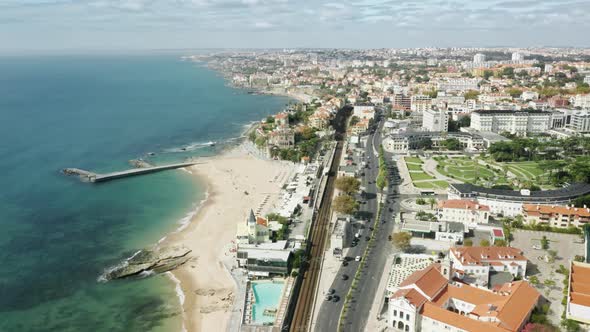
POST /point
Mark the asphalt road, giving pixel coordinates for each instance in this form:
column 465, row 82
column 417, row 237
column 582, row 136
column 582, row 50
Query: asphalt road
column 363, row 296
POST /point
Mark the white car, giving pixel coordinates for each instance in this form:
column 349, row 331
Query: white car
column 357, row 258
column 536, row 246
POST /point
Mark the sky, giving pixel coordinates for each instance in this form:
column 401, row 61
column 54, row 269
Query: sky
column 78, row 25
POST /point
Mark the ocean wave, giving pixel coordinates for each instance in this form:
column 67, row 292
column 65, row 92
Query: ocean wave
column 191, row 147
column 177, row 288
column 103, row 277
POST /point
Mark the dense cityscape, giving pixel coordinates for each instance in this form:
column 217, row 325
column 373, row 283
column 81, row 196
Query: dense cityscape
column 434, row 189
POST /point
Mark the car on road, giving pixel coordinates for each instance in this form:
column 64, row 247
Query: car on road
column 328, row 298
column 335, row 298
column 331, row 291
column 357, row 258
column 344, row 277
column 536, row 246
column 367, row 238
column 344, row 263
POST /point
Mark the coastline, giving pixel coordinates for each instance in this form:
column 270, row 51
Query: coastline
column 236, row 178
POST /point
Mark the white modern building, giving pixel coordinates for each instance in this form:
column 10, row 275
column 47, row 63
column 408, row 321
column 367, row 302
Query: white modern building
column 517, row 57
column 364, row 111
column 420, row 103
column 435, row 120
column 582, row 101
column 580, row 121
column 342, row 235
column 458, row 84
column 479, row 58
column 515, row 122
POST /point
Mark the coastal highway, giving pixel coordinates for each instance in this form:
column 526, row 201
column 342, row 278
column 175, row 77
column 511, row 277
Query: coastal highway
column 329, row 313
column 319, row 231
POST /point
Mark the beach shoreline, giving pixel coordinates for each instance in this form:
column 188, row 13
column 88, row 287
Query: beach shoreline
column 239, row 179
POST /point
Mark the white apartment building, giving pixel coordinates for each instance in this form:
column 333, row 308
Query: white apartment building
column 582, row 101
column 517, row 57
column 580, row 121
column 420, row 103
column 479, row 58
column 458, row 84
column 465, row 211
column 435, row 120
column 559, row 216
column 518, row 122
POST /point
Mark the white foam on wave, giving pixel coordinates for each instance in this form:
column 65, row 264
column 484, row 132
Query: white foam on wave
column 102, row 278
column 186, row 220
column 191, row 147
column 179, row 294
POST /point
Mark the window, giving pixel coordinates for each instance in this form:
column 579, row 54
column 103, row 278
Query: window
column 407, row 316
column 395, row 313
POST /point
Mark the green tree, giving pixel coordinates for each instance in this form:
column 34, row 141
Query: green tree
column 348, row 184
column 468, row 243
column 402, row 240
column 471, row 94
column 484, row 243
column 571, row 325
column 431, row 202
column 345, row 204
column 500, row 243
column 534, row 280
column 420, row 201
column 452, row 144
column 487, row 74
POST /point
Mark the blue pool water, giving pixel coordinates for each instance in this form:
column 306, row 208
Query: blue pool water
column 267, row 296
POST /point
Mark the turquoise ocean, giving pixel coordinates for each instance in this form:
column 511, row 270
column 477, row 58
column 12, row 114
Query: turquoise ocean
column 57, row 234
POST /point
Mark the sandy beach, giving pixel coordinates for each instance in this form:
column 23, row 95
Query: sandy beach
column 237, row 181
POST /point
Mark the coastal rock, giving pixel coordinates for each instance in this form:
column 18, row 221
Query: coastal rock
column 157, row 260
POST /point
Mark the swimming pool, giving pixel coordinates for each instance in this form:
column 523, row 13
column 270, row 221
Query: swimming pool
column 267, row 295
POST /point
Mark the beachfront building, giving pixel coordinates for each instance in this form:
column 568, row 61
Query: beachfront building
column 515, row 122
column 510, row 202
column 282, row 138
column 405, row 141
column 266, row 259
column 560, row 216
column 578, row 298
column 254, row 231
column 467, row 212
column 478, row 262
column 430, row 301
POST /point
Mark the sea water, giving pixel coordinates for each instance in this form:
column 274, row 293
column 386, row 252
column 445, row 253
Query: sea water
column 58, row 234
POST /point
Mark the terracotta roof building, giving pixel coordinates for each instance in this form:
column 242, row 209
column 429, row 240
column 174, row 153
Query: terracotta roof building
column 464, row 211
column 427, row 301
column 479, row 261
column 556, row 215
column 578, row 300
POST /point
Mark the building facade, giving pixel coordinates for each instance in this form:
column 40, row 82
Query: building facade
column 555, row 215
column 435, row 120
column 467, row 212
column 515, row 122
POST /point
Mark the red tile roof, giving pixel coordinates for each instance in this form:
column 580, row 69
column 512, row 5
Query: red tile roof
column 580, row 284
column 428, row 280
column 462, row 204
column 481, row 255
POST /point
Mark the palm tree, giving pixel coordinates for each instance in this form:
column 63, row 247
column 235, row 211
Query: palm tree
column 431, row 201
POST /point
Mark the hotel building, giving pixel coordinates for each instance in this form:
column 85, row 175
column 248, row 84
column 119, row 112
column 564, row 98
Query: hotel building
column 515, row 122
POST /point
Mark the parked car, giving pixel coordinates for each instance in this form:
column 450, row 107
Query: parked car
column 357, row 258
column 344, row 277
column 328, row 297
column 344, row 263
column 335, row 298
column 331, row 291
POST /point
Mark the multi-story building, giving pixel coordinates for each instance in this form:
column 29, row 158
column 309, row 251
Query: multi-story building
column 429, row 301
column 464, row 211
column 479, row 59
column 320, row 119
column 517, row 57
column 254, row 231
column 405, row 141
column 580, row 121
column 264, row 260
column 582, row 101
column 480, row 261
column 510, row 202
column 435, row 120
column 458, row 84
column 515, row 122
column 556, row 215
column 401, row 101
column 420, row 103
column 282, row 138
column 578, row 296
column 364, row 111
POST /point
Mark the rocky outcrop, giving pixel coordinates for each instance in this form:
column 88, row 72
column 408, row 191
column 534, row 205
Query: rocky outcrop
column 157, row 260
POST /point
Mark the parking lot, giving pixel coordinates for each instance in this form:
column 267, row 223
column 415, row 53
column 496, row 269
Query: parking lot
column 566, row 246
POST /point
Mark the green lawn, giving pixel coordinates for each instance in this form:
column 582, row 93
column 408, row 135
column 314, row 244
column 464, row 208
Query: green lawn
column 417, row 176
column 414, row 167
column 431, row 185
column 528, row 170
column 414, row 160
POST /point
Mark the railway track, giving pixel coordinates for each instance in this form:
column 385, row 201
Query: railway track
column 319, row 231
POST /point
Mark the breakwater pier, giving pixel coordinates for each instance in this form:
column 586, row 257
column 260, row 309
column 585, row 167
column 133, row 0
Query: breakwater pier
column 97, row 177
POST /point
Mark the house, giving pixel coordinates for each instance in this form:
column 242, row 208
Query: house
column 559, row 216
column 578, row 296
column 464, row 211
column 282, row 119
column 430, row 301
column 480, row 261
column 320, row 118
column 254, row 231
